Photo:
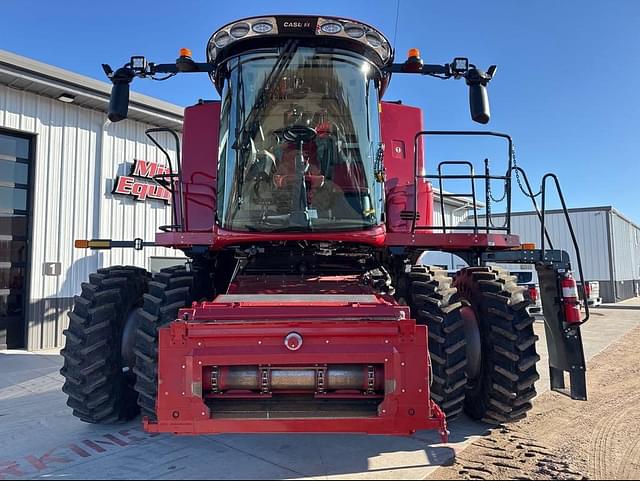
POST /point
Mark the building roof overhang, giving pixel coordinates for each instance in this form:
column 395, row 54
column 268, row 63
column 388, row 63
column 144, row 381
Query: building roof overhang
column 29, row 75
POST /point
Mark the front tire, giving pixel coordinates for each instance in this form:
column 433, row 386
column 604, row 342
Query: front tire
column 170, row 290
column 432, row 303
column 99, row 387
column 503, row 383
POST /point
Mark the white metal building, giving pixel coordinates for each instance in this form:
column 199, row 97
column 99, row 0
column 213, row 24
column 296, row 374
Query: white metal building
column 59, row 159
column 609, row 245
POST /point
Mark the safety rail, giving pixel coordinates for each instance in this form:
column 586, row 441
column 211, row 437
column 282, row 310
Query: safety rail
column 545, row 239
column 168, row 180
column 472, row 176
column 444, row 194
column 544, row 234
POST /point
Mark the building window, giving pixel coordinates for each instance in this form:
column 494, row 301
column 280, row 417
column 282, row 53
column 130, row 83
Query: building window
column 15, row 171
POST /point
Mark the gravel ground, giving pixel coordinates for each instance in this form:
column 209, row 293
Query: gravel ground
column 565, row 439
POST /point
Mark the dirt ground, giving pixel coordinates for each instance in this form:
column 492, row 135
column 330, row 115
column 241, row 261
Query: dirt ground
column 565, row 439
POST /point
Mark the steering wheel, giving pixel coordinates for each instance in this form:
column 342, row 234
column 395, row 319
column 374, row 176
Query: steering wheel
column 299, row 133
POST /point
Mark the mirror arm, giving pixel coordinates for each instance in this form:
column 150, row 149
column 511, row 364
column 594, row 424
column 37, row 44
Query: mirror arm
column 476, row 79
column 430, row 69
column 426, row 69
column 182, row 65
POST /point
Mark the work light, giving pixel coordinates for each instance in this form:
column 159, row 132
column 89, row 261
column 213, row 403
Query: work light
column 138, row 64
column 460, row 65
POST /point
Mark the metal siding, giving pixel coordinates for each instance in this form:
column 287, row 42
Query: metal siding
column 48, row 81
column 626, row 249
column 590, row 228
column 455, row 216
column 73, row 145
column 453, row 213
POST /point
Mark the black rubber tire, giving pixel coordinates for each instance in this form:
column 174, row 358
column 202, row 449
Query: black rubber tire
column 431, row 303
column 505, row 386
column 170, row 290
column 98, row 389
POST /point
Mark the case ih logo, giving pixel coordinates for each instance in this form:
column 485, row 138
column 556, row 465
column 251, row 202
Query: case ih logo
column 297, row 25
column 142, row 190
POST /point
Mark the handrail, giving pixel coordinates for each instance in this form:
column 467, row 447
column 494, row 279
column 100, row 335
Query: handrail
column 473, row 177
column 541, row 213
column 442, row 194
column 177, row 223
column 574, row 240
column 535, row 204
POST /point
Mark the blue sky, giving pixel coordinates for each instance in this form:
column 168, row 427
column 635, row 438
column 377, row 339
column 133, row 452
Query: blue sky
column 566, row 87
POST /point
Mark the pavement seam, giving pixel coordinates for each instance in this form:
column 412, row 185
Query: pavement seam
column 216, row 441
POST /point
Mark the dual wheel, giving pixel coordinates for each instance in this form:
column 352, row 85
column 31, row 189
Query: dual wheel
column 481, row 341
column 110, row 353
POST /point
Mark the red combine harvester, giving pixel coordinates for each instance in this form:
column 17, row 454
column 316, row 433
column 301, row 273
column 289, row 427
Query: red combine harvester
column 303, row 203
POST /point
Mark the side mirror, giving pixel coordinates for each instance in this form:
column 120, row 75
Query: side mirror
column 479, row 103
column 119, row 101
column 477, row 81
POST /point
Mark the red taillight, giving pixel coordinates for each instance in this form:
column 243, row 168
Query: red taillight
column 587, row 289
column 533, row 293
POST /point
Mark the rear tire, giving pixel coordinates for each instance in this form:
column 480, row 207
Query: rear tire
column 98, row 389
column 504, row 387
column 432, row 304
column 170, row 290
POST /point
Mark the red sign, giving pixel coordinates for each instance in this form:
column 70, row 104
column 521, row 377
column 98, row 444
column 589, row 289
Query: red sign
column 131, row 184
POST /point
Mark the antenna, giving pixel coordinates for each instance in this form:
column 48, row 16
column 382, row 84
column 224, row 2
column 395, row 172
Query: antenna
column 395, row 30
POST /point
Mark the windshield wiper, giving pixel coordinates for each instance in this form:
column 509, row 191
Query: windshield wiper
column 243, row 137
column 293, row 228
column 250, row 122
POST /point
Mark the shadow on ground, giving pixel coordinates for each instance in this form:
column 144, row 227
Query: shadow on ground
column 67, row 448
column 31, row 401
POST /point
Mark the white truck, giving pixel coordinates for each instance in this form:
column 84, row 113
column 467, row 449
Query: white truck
column 527, row 277
column 592, row 291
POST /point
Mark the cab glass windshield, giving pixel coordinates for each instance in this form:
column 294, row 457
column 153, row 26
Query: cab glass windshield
column 300, row 142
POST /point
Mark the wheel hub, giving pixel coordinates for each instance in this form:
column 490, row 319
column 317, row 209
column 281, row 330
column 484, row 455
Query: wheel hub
column 128, row 341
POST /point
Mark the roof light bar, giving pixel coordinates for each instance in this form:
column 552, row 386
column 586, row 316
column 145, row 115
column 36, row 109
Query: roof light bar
column 262, row 27
column 240, row 29
column 356, row 31
column 222, row 39
column 324, row 26
column 331, row 27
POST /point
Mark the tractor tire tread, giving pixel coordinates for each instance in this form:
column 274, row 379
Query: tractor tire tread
column 97, row 389
column 170, row 290
column 505, row 386
column 430, row 298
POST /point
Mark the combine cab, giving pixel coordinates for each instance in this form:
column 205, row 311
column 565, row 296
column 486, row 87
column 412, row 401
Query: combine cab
column 303, row 202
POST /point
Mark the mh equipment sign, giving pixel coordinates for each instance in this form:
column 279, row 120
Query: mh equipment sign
column 131, row 185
